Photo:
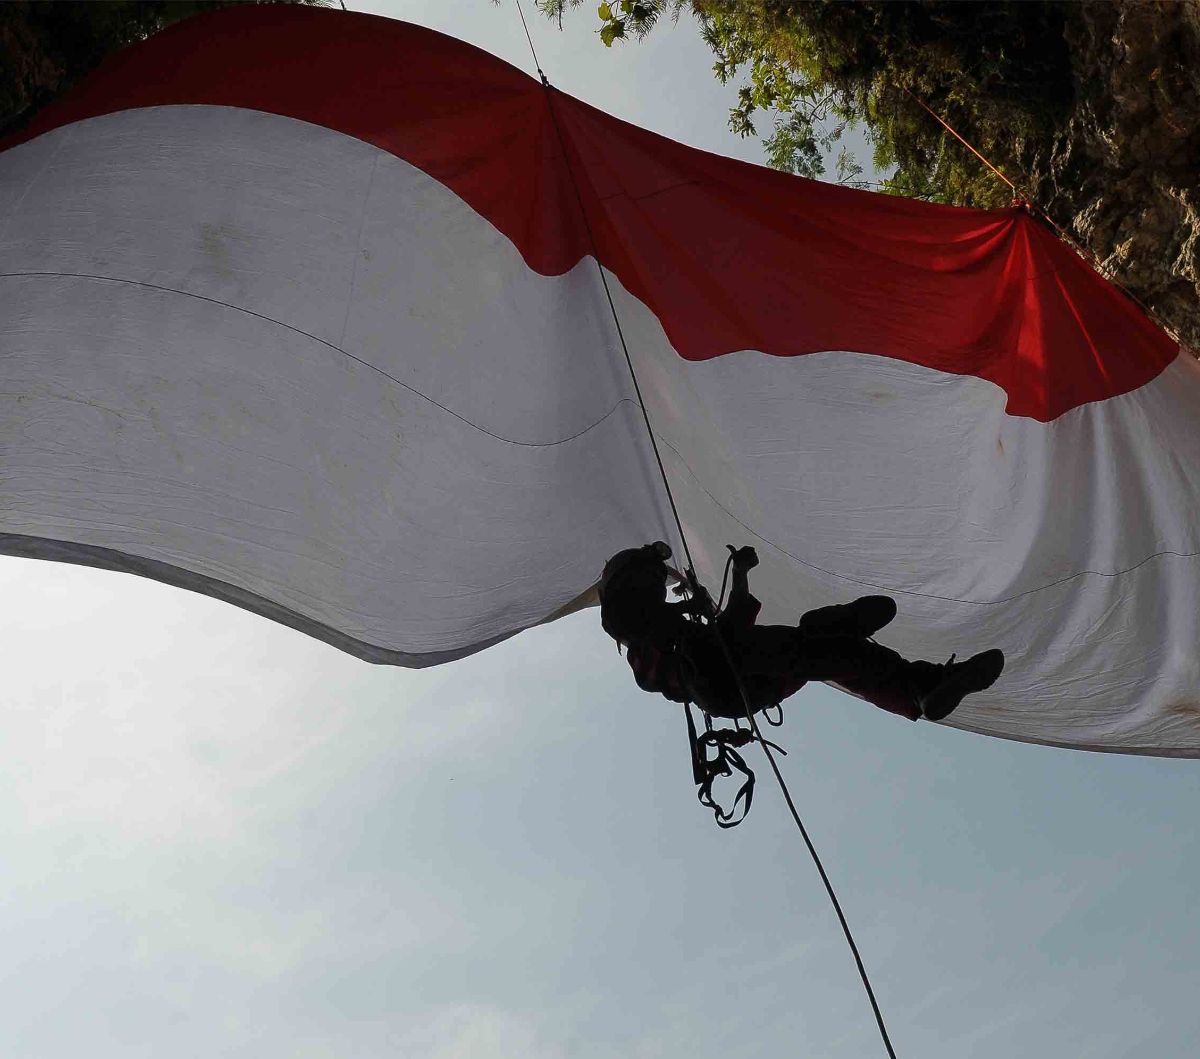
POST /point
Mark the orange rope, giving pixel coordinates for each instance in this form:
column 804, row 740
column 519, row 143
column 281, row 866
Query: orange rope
column 1026, row 201
column 945, row 125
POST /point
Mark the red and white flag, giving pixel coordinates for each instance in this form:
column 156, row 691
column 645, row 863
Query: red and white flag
column 325, row 337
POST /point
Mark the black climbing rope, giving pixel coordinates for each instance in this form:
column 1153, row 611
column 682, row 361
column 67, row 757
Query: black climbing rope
column 724, row 750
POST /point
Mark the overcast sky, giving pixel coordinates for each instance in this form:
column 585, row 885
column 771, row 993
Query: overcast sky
column 221, row 838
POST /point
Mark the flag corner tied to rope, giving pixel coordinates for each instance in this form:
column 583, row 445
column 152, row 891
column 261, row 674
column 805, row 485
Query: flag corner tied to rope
column 344, row 358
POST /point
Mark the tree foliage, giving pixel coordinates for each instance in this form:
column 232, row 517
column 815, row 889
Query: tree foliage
column 997, row 71
column 46, row 46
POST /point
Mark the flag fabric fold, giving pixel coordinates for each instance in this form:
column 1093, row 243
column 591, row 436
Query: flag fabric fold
column 326, row 338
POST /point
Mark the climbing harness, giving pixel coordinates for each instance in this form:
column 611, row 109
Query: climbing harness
column 715, row 756
column 723, row 762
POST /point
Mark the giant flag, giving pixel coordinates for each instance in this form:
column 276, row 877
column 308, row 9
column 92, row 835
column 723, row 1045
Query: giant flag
column 303, row 310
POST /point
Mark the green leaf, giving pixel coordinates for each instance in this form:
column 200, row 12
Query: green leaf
column 605, row 12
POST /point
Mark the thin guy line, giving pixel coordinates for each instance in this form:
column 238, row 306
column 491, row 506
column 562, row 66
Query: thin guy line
column 949, row 129
column 532, row 49
column 862, row 971
column 328, row 344
column 1063, row 234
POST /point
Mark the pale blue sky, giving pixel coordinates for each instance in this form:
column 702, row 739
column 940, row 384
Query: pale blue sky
column 221, row 838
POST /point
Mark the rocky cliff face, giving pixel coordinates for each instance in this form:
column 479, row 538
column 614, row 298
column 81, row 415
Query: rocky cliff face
column 1123, row 175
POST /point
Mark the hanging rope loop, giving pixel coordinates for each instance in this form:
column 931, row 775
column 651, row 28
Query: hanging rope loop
column 718, row 758
column 715, row 756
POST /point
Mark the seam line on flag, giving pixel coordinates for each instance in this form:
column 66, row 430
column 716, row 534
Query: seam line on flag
column 330, row 345
column 650, row 194
column 911, row 592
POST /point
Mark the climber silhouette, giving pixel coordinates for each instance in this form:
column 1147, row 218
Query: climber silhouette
column 676, row 650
